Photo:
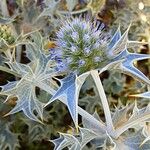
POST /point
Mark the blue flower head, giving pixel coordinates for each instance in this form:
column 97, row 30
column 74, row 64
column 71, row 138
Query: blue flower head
column 83, row 46
column 82, row 43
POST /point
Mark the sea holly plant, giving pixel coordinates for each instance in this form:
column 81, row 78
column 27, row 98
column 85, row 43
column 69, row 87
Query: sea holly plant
column 83, row 48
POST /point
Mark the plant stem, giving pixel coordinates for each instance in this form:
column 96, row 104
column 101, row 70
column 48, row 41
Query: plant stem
column 104, row 101
column 82, row 112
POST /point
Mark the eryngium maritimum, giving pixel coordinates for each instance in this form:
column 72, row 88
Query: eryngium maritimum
column 80, row 46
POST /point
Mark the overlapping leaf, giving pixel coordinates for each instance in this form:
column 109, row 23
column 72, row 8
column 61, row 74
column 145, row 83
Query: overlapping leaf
column 74, row 141
column 133, row 142
column 70, row 87
column 8, row 139
column 131, row 118
column 66, row 140
column 123, row 60
column 32, row 75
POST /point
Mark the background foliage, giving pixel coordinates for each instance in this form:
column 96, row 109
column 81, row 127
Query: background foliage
column 27, row 37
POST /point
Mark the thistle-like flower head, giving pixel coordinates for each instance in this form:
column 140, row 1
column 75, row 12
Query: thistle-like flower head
column 82, row 46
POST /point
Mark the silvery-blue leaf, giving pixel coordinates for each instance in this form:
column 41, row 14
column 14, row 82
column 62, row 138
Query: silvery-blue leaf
column 120, row 116
column 34, row 74
column 8, row 140
column 34, row 49
column 136, row 117
column 121, row 44
column 9, row 89
column 86, row 136
column 27, row 101
column 70, row 87
column 115, row 38
column 57, row 141
column 75, row 146
column 21, row 69
column 133, row 142
column 51, row 8
column 128, row 67
column 90, row 124
column 9, row 86
column 100, row 141
column 6, row 20
column 124, row 62
column 64, row 141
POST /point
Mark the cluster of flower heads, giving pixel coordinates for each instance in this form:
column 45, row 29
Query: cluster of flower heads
column 81, row 46
column 6, row 34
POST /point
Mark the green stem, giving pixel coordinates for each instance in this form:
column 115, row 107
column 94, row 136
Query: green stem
column 104, row 101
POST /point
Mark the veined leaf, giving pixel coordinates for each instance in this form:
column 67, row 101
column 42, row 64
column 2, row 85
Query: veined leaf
column 137, row 117
column 121, row 42
column 70, row 87
column 128, row 67
column 86, row 136
column 133, row 142
column 124, row 62
column 8, row 140
column 121, row 116
column 66, row 140
column 115, row 38
column 37, row 72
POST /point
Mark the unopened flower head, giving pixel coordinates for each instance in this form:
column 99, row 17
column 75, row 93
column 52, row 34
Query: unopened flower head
column 82, row 43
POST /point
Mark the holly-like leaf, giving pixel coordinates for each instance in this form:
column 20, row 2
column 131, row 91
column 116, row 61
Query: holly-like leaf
column 120, row 42
column 70, row 87
column 66, row 140
column 137, row 118
column 125, row 63
column 32, row 75
column 123, row 60
column 8, row 140
column 121, row 116
column 115, row 38
column 133, row 142
column 128, row 67
column 86, row 136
